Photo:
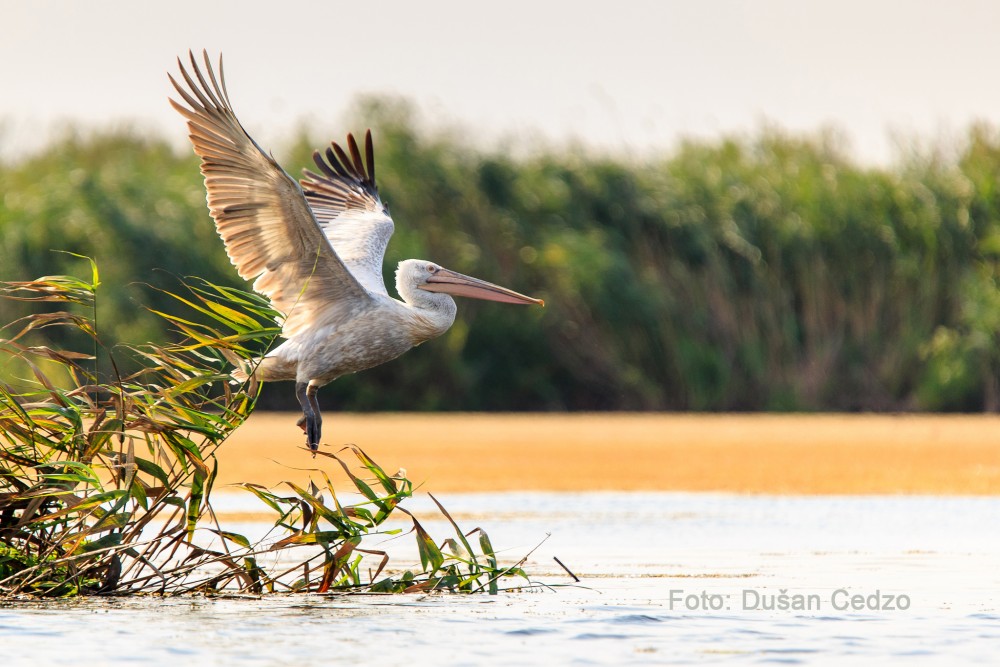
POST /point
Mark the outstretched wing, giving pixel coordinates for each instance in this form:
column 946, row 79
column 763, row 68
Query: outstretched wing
column 345, row 201
column 269, row 231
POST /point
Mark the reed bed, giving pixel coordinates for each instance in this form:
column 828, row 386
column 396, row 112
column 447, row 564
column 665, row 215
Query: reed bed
column 106, row 479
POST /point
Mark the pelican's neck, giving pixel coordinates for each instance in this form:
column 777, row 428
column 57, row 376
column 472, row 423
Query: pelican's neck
column 432, row 313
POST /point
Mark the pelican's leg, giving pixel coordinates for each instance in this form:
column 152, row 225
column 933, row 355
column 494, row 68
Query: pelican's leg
column 303, row 393
column 317, row 417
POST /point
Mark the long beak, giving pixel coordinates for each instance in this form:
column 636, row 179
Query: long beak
column 458, row 284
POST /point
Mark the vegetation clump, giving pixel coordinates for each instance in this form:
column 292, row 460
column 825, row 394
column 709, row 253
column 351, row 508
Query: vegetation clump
column 105, row 485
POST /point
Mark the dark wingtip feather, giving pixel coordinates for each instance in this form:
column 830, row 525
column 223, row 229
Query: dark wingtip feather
column 342, row 156
column 323, row 166
column 359, row 165
column 334, row 160
column 370, row 155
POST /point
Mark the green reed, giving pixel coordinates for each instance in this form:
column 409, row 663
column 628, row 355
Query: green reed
column 106, row 479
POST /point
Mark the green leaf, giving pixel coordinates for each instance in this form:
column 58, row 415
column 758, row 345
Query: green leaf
column 111, row 540
column 317, row 537
column 194, row 502
column 153, row 470
column 233, row 537
column 431, row 557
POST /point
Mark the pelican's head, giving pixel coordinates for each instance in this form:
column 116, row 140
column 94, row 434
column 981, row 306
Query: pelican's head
column 419, row 274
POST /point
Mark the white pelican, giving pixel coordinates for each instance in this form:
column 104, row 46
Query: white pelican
column 316, row 251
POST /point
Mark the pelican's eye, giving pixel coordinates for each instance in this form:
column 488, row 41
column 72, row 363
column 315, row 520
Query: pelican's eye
column 431, row 268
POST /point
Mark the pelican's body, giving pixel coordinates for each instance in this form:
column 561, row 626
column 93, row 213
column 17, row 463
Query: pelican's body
column 316, row 251
column 379, row 331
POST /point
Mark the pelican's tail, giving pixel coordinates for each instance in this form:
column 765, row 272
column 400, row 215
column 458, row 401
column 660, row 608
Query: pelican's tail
column 243, row 368
column 240, row 375
column 259, row 369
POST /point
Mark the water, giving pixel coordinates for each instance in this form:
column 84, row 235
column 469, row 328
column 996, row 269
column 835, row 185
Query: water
column 666, row 578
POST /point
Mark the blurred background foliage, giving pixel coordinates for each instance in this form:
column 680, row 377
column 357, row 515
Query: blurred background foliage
column 756, row 273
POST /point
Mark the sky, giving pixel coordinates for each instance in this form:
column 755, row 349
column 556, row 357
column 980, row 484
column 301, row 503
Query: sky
column 631, row 80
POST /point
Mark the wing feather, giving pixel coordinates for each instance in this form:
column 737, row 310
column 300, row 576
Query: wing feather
column 261, row 213
column 344, row 198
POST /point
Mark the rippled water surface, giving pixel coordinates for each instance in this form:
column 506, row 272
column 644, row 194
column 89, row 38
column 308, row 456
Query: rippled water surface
column 666, row 578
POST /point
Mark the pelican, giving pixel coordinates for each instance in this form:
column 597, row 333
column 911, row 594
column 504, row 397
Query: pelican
column 315, row 249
